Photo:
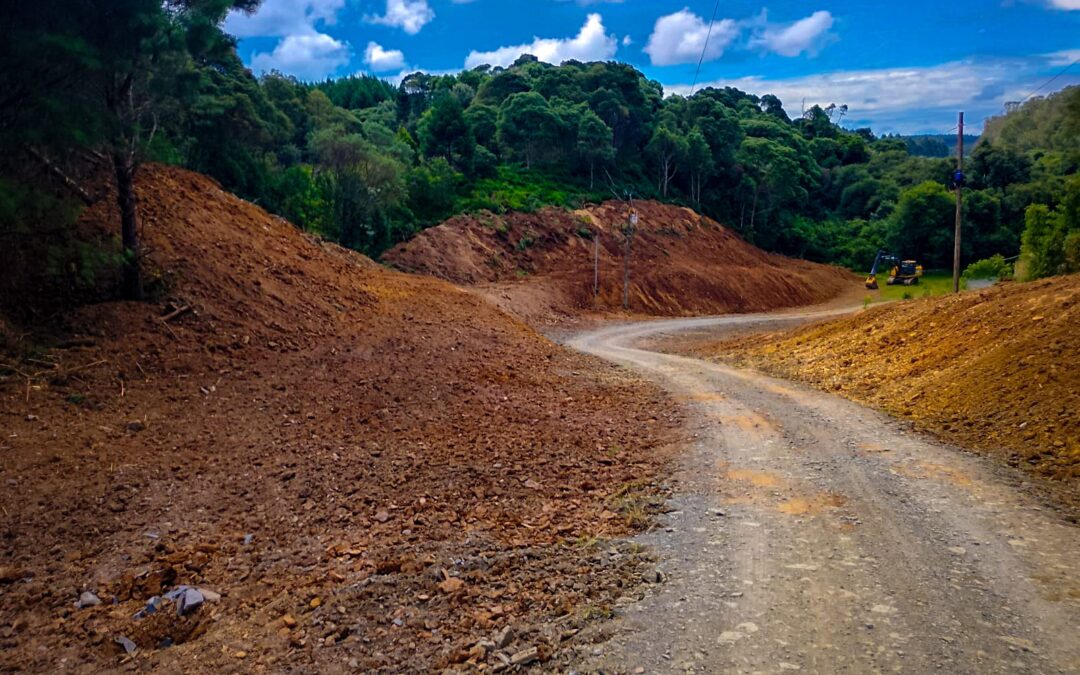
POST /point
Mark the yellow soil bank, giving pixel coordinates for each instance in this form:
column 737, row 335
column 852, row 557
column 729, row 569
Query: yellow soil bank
column 997, row 370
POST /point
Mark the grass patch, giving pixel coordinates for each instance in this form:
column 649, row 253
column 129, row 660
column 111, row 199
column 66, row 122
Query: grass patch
column 931, row 284
column 595, row 612
column 588, row 543
column 636, row 503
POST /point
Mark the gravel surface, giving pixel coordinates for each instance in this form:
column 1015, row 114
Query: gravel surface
column 811, row 534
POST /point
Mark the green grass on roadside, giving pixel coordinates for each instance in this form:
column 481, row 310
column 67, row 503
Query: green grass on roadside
column 931, row 283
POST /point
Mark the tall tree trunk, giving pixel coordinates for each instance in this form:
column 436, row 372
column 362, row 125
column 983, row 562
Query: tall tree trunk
column 124, row 167
column 592, row 167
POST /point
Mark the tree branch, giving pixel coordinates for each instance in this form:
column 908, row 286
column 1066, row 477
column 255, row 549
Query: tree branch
column 67, row 180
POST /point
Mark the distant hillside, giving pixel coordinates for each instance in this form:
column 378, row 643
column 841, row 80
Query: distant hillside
column 1050, row 123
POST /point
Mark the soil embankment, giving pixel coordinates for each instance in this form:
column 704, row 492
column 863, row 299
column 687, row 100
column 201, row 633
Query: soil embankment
column 540, row 265
column 375, row 470
column 992, row 369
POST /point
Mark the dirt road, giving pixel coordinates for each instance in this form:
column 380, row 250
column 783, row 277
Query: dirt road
column 811, row 534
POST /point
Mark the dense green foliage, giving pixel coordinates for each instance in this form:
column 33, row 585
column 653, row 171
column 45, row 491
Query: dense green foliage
column 1051, row 240
column 995, row 267
column 1029, row 161
column 97, row 81
column 368, row 164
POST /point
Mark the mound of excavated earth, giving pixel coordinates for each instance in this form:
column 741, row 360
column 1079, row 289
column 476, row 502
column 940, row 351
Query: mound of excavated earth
column 541, row 265
column 993, row 369
column 348, row 467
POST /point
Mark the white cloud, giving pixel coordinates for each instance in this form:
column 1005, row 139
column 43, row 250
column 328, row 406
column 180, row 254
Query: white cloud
column 1065, row 4
column 381, row 60
column 627, row 41
column 1063, row 58
column 592, row 43
column 895, row 99
column 278, row 18
column 805, row 35
column 303, row 50
column 409, row 15
column 308, row 57
column 680, row 38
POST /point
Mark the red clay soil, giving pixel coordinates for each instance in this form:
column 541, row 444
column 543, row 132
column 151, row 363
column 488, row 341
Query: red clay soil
column 994, row 369
column 540, row 265
column 375, row 470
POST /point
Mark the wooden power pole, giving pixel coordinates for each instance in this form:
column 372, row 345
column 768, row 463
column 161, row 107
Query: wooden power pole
column 958, row 180
column 631, row 226
column 596, row 264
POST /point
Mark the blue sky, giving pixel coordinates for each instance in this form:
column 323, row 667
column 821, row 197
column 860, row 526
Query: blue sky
column 904, row 67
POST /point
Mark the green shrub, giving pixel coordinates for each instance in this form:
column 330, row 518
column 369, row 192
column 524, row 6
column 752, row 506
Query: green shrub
column 994, row 267
column 517, row 189
column 47, row 262
column 1050, row 243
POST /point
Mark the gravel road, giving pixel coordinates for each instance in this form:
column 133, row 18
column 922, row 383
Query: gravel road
column 810, row 534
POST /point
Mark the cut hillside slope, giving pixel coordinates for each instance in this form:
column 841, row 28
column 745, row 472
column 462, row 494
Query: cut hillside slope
column 375, row 470
column 540, row 265
column 994, row 369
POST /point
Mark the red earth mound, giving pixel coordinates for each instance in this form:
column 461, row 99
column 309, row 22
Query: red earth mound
column 540, row 265
column 375, row 470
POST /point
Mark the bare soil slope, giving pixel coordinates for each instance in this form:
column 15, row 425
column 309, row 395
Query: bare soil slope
column 994, row 369
column 376, row 470
column 540, row 265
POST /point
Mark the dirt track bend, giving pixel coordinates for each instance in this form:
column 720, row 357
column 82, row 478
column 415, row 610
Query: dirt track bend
column 811, row 534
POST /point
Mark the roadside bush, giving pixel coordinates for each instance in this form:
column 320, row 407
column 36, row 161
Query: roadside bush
column 994, row 267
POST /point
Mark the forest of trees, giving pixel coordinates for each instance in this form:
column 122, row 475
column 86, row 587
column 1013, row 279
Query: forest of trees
column 368, row 164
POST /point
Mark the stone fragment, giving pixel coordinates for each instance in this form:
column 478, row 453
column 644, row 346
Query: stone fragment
column 504, row 637
column 127, row 645
column 87, row 599
column 525, row 657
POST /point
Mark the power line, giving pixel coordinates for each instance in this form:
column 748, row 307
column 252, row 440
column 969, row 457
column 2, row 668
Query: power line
column 1060, row 73
column 705, row 47
column 1021, row 101
column 1038, row 89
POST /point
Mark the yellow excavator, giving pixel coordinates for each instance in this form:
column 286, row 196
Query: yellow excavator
column 906, row 272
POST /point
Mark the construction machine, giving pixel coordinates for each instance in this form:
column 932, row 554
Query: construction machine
column 906, row 272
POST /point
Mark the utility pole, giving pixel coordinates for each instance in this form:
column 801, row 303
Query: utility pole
column 958, row 180
column 628, row 233
column 628, row 239
column 596, row 264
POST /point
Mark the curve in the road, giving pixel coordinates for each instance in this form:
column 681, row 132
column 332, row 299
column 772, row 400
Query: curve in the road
column 811, row 534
